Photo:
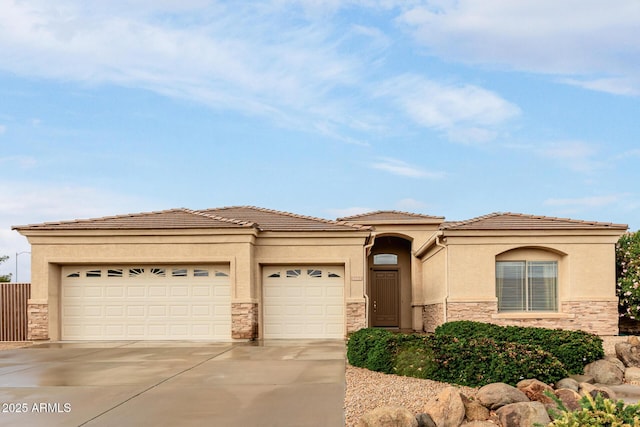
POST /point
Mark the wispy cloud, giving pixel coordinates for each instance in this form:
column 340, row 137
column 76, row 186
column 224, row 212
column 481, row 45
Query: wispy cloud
column 467, row 113
column 3, row 129
column 596, row 44
column 401, row 168
column 578, row 156
column 24, row 162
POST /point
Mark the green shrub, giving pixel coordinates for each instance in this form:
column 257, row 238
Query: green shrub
column 597, row 412
column 574, row 349
column 414, row 358
column 479, row 361
column 362, row 342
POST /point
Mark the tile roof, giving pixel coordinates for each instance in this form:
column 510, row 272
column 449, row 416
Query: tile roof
column 390, row 216
column 168, row 219
column 272, row 220
column 517, row 221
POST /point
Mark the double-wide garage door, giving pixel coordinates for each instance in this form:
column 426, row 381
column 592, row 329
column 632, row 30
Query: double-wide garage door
column 150, row 302
column 303, row 302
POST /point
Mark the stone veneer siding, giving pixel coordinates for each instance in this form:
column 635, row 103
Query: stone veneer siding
column 244, row 320
column 597, row 317
column 356, row 316
column 432, row 316
column 38, row 321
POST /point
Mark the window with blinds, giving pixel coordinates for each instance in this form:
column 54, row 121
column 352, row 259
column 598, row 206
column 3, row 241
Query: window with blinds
column 527, row 285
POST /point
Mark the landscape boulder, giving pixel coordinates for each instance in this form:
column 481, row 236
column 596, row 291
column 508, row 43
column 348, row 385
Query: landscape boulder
column 569, row 383
column 474, row 410
column 425, row 420
column 569, row 398
column 535, row 390
column 447, row 409
column 388, row 416
column 597, row 389
column 523, row 414
column 606, row 371
column 496, row 395
column 632, row 375
column 629, row 352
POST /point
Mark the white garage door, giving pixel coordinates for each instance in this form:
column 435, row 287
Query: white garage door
column 303, row 302
column 145, row 303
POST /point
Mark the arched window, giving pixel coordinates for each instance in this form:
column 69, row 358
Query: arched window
column 527, row 280
column 385, row 259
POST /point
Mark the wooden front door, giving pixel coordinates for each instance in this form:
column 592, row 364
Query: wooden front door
column 385, row 299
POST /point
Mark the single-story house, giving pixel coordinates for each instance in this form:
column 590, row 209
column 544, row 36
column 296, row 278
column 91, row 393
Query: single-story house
column 245, row 272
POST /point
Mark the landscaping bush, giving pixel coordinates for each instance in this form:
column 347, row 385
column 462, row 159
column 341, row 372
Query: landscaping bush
column 414, row 358
column 476, row 362
column 362, row 342
column 574, row 349
column 597, row 412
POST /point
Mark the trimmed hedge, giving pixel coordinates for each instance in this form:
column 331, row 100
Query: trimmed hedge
column 479, row 361
column 574, row 349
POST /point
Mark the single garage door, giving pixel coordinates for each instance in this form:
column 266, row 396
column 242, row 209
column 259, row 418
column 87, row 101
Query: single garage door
column 303, row 302
column 146, row 302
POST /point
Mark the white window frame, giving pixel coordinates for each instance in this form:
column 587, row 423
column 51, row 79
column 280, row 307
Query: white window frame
column 530, row 298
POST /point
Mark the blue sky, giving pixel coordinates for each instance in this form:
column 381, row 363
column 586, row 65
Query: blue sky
column 319, row 107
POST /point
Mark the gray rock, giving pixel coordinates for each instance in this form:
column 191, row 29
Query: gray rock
column 523, row 414
column 628, row 353
column 424, row 420
column 568, row 383
column 388, row 416
column 605, row 371
column 447, row 409
column 496, row 395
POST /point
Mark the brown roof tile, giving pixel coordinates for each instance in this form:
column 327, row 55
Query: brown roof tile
column 272, row 220
column 391, row 216
column 517, row 221
column 168, row 219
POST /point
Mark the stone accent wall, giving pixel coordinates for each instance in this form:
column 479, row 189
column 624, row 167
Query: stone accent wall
column 38, row 323
column 432, row 316
column 244, row 320
column 356, row 316
column 597, row 317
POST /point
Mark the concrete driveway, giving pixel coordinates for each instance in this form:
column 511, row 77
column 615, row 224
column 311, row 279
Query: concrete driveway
column 273, row 383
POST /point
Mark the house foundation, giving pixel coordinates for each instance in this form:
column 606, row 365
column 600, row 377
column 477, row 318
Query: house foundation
column 596, row 317
column 38, row 320
column 356, row 316
column 244, row 320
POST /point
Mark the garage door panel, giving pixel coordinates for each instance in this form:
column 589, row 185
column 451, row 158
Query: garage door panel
column 303, row 302
column 145, row 303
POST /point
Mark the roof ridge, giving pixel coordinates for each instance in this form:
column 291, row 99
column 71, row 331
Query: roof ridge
column 389, row 211
column 454, row 224
column 294, row 215
column 101, row 218
column 449, row 224
column 220, row 218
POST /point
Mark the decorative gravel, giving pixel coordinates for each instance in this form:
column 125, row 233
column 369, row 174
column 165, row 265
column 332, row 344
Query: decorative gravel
column 366, row 390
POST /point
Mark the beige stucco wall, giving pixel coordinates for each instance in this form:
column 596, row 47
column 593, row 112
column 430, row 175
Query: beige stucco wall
column 463, row 274
column 242, row 250
column 586, row 272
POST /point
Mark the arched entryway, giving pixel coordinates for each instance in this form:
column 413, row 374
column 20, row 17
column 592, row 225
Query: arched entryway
column 390, row 283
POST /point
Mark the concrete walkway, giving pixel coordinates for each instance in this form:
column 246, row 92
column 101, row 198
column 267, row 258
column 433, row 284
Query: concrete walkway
column 273, row 383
